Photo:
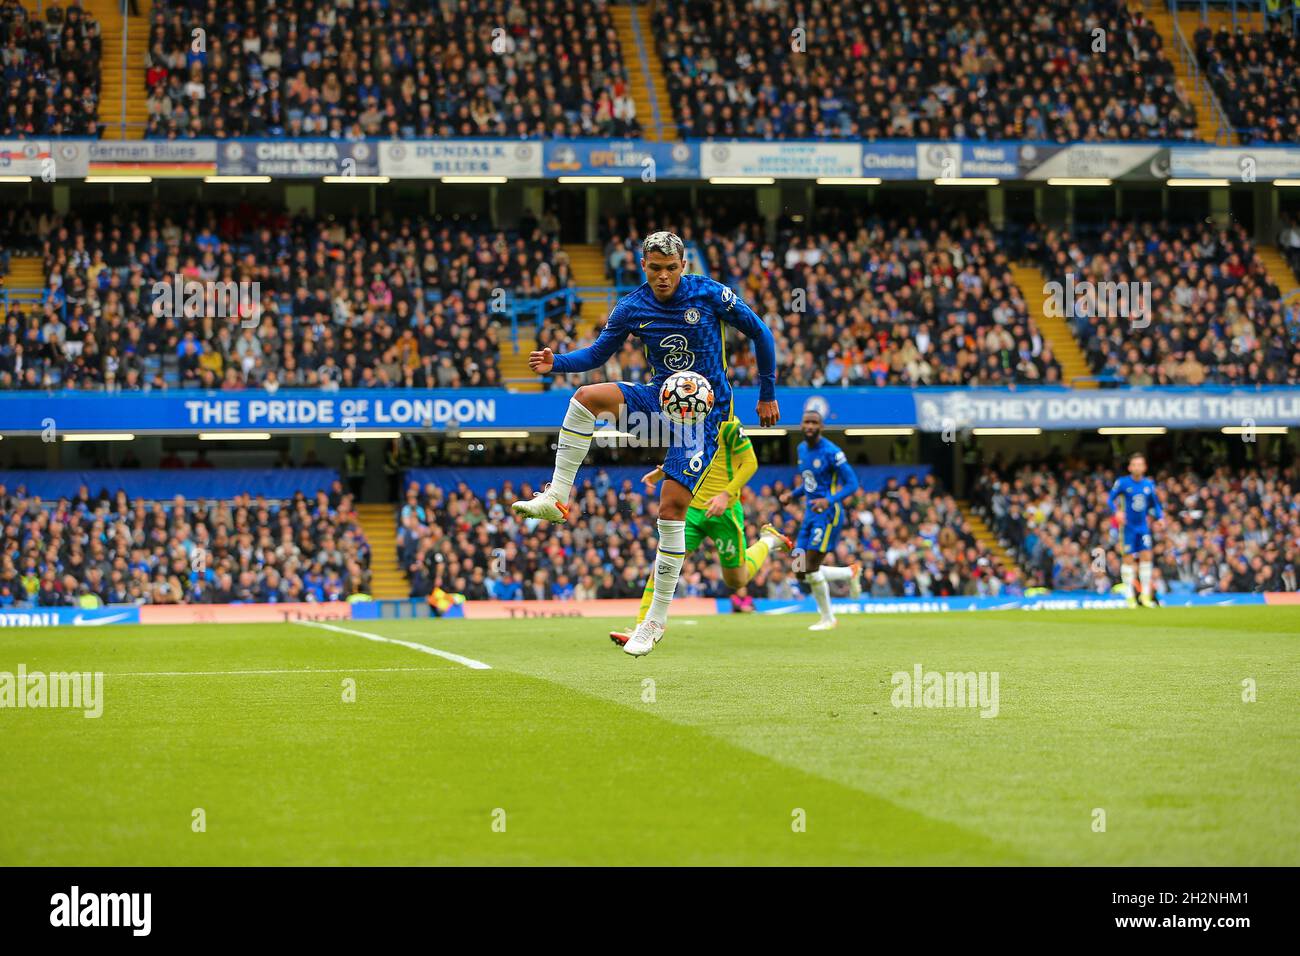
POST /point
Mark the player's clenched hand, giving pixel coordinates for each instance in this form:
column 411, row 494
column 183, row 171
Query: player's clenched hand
column 541, row 362
column 718, row 504
column 820, row 504
column 768, row 413
column 785, row 498
column 652, row 478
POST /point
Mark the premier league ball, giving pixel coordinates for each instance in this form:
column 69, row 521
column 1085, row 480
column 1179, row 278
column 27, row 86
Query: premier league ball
column 686, row 398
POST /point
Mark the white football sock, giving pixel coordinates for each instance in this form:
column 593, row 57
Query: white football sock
column 1144, row 576
column 668, row 566
column 821, row 593
column 771, row 540
column 1126, row 578
column 571, row 448
column 836, row 573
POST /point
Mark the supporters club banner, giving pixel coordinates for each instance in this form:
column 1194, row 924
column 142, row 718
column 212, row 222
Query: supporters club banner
column 25, row 157
column 434, row 159
column 1088, row 161
column 160, row 158
column 1250, row 164
column 630, row 158
column 291, row 158
column 782, row 160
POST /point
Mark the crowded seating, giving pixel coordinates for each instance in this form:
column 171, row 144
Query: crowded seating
column 1226, row 528
column 858, row 300
column 358, row 302
column 1253, row 74
column 916, row 69
column 910, row 536
column 1215, row 317
column 49, row 70
column 119, row 550
column 349, row 70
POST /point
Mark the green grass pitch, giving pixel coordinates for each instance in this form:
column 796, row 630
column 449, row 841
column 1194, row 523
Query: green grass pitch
column 561, row 753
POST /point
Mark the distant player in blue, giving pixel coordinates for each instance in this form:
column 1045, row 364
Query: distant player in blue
column 679, row 320
column 826, row 479
column 1135, row 503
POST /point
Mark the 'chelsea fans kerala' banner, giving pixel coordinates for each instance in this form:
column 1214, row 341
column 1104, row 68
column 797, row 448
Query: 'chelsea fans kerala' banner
column 434, row 159
column 289, row 158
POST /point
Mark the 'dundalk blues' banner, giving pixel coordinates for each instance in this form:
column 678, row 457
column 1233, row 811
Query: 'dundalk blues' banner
column 932, row 410
column 291, row 158
column 434, row 159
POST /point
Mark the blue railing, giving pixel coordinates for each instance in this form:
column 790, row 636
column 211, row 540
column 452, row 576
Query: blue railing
column 19, row 296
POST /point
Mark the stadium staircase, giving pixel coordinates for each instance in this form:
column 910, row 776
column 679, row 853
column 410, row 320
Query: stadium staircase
column 1279, row 271
column 985, row 536
column 1180, row 46
column 587, row 264
column 513, row 362
column 1074, row 364
column 387, row 579
column 112, row 80
column 25, row 272
column 649, row 90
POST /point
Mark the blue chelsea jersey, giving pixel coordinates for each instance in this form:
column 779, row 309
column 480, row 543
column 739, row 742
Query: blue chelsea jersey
column 1138, row 498
column 824, row 472
column 684, row 333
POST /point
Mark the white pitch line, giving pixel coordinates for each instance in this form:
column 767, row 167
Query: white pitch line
column 300, row 670
column 422, row 648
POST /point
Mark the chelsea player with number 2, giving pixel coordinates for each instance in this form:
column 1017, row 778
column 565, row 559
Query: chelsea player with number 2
column 679, row 320
column 1138, row 502
column 826, row 479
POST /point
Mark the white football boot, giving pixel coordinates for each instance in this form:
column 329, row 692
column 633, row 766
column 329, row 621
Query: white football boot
column 855, row 582
column 544, row 505
column 644, row 640
column 826, row 624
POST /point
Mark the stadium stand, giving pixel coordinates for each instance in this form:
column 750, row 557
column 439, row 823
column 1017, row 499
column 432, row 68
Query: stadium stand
column 856, row 299
column 1253, row 73
column 50, row 84
column 456, row 533
column 155, row 545
column 917, row 69
column 1216, row 317
column 537, row 68
column 1226, row 528
column 349, row 302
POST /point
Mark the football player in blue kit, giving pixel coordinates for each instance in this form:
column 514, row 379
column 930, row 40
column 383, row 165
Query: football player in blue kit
column 826, row 479
column 679, row 320
column 1138, row 506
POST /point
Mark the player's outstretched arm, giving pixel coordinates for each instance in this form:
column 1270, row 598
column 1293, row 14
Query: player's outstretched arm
column 739, row 315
